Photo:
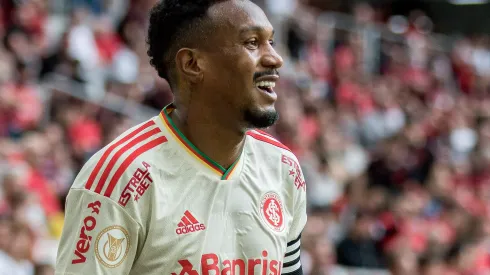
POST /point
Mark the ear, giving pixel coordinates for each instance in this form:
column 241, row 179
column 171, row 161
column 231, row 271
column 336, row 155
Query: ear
column 188, row 62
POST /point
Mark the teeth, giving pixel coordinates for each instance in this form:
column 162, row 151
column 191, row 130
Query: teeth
column 266, row 84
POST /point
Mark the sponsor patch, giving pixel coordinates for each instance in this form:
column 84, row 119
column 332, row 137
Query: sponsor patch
column 137, row 185
column 85, row 239
column 112, row 246
column 294, row 172
column 212, row 264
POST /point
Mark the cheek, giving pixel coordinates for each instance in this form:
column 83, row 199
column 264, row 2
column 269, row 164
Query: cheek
column 247, row 65
column 231, row 72
column 240, row 65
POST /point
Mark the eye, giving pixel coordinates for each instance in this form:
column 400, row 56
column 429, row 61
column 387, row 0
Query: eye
column 272, row 42
column 252, row 43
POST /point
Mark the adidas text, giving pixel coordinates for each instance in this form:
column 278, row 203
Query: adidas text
column 190, row 229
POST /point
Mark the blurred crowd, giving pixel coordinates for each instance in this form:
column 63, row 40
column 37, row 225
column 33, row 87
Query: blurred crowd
column 393, row 134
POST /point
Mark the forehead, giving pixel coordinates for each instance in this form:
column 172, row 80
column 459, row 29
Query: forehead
column 239, row 15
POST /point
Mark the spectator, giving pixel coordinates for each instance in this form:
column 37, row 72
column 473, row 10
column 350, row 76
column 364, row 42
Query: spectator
column 44, row 270
column 359, row 249
column 16, row 259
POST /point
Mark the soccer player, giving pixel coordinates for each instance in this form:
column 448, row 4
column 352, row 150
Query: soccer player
column 195, row 190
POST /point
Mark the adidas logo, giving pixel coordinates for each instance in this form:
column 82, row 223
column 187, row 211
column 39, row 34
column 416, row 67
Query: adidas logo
column 188, row 224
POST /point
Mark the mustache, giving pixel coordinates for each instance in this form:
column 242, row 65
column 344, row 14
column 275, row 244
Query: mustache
column 266, row 73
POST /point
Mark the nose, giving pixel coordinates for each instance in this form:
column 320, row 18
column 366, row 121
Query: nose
column 271, row 59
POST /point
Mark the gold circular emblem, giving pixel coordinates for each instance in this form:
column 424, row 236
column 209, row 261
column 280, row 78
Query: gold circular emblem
column 112, row 246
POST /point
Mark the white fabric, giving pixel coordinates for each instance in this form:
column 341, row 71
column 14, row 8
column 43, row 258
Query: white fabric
column 227, row 215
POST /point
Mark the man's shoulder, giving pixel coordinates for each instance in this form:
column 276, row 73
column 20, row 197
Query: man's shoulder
column 268, row 144
column 124, row 164
column 275, row 155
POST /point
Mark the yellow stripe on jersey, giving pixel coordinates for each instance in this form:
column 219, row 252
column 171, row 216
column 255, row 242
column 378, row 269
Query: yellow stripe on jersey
column 193, row 150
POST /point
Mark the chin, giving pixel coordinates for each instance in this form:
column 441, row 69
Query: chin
column 261, row 118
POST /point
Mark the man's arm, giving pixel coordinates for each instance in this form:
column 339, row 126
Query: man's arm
column 98, row 237
column 292, row 262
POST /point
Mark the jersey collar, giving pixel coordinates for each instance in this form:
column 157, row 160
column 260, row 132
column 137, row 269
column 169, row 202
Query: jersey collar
column 192, row 149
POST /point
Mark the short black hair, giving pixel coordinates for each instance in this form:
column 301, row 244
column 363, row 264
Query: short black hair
column 175, row 24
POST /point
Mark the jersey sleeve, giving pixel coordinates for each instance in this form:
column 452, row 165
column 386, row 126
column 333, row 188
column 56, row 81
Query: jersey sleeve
column 292, row 263
column 98, row 237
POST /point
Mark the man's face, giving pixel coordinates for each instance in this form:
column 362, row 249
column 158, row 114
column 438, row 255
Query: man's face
column 241, row 66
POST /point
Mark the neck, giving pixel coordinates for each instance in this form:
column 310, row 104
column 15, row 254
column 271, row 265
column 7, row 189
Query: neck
column 222, row 144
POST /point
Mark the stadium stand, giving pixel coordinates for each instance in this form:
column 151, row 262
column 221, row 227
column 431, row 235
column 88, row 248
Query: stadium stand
column 390, row 122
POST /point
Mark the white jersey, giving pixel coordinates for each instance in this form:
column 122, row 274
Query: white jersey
column 151, row 203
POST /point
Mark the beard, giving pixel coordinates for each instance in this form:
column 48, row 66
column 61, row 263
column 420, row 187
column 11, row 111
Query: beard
column 260, row 118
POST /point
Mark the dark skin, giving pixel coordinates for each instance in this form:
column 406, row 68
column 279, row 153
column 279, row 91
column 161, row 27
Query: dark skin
column 216, row 84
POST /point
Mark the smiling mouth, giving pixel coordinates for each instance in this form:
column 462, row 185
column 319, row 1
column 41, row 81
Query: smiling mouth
column 266, row 86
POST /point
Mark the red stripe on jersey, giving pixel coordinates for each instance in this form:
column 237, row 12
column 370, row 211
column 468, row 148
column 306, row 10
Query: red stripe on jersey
column 119, row 153
column 111, row 148
column 265, row 133
column 129, row 160
column 181, row 224
column 268, row 140
column 186, row 221
column 190, row 217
